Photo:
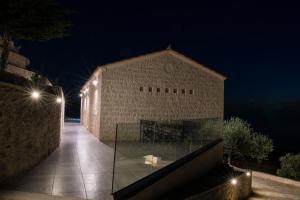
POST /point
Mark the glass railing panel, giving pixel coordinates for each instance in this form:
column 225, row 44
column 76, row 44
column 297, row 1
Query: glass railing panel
column 145, row 147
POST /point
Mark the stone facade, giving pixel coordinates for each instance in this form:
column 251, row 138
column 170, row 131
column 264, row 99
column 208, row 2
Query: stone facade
column 17, row 64
column 160, row 86
column 19, row 71
column 29, row 130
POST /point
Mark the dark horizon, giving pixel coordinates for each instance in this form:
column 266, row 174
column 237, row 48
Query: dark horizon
column 254, row 44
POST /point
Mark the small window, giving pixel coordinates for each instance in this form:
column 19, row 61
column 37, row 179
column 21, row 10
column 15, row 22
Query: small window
column 158, row 89
column 141, row 89
column 150, row 89
column 167, row 90
column 183, row 91
column 175, row 91
column 191, row 92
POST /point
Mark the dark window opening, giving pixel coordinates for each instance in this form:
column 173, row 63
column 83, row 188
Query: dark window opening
column 141, row 89
column 167, row 90
column 191, row 91
column 158, row 90
column 175, row 91
column 150, row 89
column 183, row 91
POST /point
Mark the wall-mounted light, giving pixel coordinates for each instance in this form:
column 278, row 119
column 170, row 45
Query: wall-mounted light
column 248, row 173
column 95, row 82
column 233, row 181
column 58, row 100
column 35, row 94
column 80, row 95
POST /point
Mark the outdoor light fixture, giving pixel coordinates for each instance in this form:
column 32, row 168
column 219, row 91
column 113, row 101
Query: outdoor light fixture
column 248, row 173
column 80, row 95
column 233, row 181
column 95, row 82
column 35, row 94
column 58, row 100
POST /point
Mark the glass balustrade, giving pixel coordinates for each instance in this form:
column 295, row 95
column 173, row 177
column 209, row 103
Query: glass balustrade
column 145, row 147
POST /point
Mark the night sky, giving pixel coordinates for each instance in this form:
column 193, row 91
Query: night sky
column 255, row 45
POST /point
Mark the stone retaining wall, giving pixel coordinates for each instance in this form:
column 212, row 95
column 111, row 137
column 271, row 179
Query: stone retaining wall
column 29, row 129
column 227, row 191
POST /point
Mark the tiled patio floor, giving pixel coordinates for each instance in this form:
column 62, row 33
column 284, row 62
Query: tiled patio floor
column 80, row 167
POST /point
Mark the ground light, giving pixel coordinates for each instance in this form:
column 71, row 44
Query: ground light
column 35, row 94
column 58, row 100
column 233, row 181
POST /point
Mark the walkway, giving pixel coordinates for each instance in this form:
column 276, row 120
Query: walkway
column 80, row 167
column 265, row 189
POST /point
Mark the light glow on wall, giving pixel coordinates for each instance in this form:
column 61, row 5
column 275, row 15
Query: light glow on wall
column 58, row 100
column 95, row 82
column 35, row 94
column 86, row 91
column 233, row 181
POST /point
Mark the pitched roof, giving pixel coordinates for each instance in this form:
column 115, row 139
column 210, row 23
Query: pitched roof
column 157, row 53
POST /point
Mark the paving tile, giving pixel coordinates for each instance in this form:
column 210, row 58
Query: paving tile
column 68, row 178
column 99, row 195
column 35, row 185
column 67, row 187
column 68, row 170
column 80, row 194
column 97, row 177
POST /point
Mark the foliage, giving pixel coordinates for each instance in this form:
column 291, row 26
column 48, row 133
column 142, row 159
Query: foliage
column 237, row 137
column 261, row 147
column 35, row 78
column 33, row 20
column 290, row 166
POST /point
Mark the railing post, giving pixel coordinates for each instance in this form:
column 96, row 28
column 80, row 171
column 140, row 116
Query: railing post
column 114, row 164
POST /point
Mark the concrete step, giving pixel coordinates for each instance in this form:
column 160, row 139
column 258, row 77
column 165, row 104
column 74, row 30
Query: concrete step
column 16, row 195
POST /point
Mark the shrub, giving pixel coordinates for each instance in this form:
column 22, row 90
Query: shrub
column 237, row 138
column 290, row 166
column 261, row 147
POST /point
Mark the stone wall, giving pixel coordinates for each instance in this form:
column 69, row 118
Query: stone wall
column 23, row 72
column 20, row 71
column 227, row 191
column 17, row 59
column 29, row 129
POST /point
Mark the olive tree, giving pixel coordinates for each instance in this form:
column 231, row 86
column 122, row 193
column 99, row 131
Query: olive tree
column 290, row 166
column 261, row 147
column 237, row 138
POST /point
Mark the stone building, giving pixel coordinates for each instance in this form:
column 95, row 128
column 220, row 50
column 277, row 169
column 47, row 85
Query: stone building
column 17, row 63
column 164, row 85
